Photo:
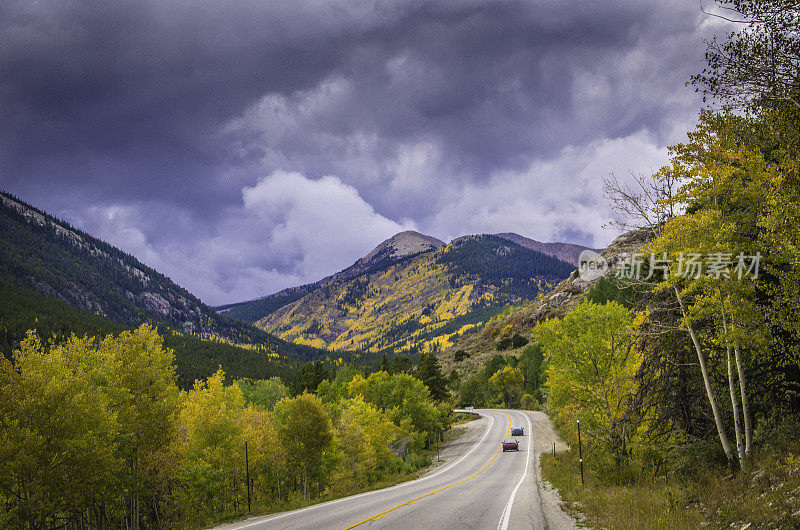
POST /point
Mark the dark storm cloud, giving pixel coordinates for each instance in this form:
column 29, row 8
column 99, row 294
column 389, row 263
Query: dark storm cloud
column 147, row 122
column 489, row 82
column 489, row 86
column 130, row 96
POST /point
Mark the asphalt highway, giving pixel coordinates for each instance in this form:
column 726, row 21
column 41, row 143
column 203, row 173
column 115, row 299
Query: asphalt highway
column 484, row 488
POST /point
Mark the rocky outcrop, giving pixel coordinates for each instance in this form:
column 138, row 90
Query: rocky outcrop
column 572, row 291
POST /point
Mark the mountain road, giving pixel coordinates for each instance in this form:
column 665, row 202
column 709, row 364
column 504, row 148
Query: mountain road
column 482, row 488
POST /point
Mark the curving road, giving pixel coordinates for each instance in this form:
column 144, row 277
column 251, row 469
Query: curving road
column 484, row 488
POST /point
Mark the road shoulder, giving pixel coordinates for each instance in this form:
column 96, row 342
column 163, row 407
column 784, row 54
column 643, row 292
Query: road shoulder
column 544, row 436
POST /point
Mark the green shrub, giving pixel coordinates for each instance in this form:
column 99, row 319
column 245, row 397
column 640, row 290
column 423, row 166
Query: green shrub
column 415, row 461
column 528, row 402
column 460, row 355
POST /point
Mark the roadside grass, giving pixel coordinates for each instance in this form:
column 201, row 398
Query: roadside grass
column 763, row 496
column 464, row 417
column 601, row 504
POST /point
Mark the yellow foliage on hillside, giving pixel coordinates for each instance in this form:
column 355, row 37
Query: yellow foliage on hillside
column 385, row 309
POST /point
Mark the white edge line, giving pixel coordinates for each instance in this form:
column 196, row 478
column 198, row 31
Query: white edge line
column 270, row 518
column 506, row 517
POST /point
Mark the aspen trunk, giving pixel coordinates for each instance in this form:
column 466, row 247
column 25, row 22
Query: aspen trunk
column 732, row 387
column 723, row 438
column 735, row 409
column 305, row 478
column 748, row 432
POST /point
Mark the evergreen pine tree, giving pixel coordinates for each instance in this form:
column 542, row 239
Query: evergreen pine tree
column 385, row 364
column 430, row 373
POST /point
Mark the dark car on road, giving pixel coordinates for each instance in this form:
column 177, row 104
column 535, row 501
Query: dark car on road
column 510, row 445
column 517, row 431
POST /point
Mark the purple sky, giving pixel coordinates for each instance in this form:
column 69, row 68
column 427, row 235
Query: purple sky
column 243, row 147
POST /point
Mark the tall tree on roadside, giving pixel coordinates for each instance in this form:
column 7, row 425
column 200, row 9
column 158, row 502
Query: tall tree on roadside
column 430, row 372
column 267, row 455
column 404, row 399
column 141, row 384
column 214, row 433
column 58, row 437
column 308, row 436
column 365, row 434
column 755, row 66
column 725, row 182
column 591, row 366
column 509, row 381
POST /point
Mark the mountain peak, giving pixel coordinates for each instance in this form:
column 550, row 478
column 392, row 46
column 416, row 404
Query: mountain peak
column 513, row 235
column 403, row 244
column 568, row 252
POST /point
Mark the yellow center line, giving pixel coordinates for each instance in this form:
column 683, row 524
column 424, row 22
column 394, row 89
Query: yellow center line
column 415, row 499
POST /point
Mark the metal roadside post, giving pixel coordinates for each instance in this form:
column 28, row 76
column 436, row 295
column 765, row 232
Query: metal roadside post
column 247, row 470
column 580, row 450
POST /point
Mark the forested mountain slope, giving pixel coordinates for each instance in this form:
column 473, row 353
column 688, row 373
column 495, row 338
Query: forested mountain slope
column 23, row 309
column 420, row 302
column 47, row 255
